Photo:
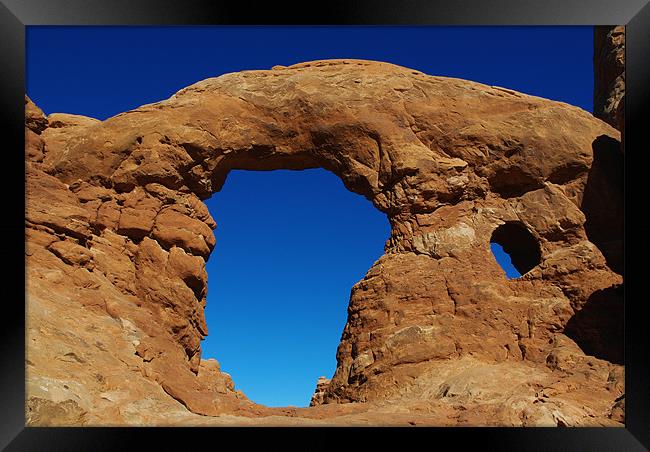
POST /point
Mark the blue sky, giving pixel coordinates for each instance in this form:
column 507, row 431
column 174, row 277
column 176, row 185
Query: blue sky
column 290, row 244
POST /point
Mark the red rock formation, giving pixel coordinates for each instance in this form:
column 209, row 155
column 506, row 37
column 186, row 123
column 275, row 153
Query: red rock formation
column 609, row 69
column 319, row 393
column 117, row 240
column 603, row 200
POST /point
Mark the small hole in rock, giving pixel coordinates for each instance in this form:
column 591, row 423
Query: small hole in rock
column 515, row 249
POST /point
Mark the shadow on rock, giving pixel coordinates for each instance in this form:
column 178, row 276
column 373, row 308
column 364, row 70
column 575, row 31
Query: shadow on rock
column 602, row 202
column 598, row 327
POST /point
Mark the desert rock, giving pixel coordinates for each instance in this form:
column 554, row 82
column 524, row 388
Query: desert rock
column 609, row 67
column 321, row 386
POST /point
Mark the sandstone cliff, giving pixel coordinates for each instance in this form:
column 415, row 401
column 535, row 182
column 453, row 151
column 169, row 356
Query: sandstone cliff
column 117, row 239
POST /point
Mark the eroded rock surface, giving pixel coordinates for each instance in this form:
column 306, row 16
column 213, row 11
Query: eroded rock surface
column 321, row 386
column 609, row 68
column 117, row 239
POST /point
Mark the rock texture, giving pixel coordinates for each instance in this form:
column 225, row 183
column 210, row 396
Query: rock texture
column 609, row 68
column 117, row 238
column 606, row 193
column 319, row 393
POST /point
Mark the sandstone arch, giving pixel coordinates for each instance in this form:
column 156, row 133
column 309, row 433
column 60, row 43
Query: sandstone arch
column 116, row 226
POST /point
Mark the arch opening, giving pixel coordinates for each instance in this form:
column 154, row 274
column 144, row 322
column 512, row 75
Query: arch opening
column 515, row 249
column 290, row 246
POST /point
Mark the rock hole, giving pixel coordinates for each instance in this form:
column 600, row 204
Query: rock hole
column 515, row 249
column 290, row 247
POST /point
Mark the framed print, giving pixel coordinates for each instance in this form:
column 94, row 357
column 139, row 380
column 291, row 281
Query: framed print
column 411, row 215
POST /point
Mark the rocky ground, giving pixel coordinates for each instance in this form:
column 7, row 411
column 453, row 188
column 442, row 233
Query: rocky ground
column 117, row 237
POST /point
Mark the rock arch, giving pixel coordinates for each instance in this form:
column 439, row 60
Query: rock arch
column 118, row 203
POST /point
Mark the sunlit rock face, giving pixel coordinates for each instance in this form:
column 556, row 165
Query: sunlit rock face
column 117, row 239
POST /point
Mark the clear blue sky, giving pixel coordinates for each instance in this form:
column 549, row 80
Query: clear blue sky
column 290, row 244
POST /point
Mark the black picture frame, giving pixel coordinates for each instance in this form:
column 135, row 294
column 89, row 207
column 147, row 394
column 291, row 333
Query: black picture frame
column 15, row 15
